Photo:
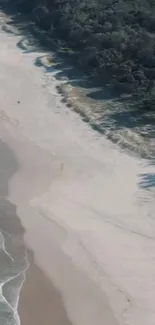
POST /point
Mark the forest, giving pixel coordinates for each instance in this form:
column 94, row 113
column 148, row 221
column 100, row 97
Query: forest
column 111, row 40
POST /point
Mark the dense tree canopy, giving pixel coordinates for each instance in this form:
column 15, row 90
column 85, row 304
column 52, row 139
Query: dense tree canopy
column 112, row 39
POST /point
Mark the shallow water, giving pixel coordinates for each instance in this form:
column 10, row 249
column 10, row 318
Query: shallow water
column 13, row 259
column 13, row 263
column 100, row 196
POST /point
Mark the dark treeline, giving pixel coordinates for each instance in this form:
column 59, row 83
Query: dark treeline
column 113, row 40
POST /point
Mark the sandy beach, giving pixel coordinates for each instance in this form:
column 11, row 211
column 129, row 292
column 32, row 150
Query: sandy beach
column 85, row 207
column 40, row 302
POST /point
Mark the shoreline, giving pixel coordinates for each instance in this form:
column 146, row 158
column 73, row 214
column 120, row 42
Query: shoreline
column 40, row 302
column 85, row 212
column 52, row 264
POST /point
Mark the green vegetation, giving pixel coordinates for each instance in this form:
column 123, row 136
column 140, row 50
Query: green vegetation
column 113, row 40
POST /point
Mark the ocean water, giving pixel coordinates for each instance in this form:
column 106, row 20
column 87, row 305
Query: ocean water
column 13, row 264
column 13, row 258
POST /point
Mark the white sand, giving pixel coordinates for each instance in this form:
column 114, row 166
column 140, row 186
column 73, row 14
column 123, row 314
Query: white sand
column 87, row 219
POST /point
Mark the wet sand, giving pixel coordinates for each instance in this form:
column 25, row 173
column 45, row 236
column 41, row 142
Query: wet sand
column 40, row 302
column 82, row 202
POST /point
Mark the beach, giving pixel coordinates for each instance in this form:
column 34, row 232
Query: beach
column 40, row 302
column 80, row 210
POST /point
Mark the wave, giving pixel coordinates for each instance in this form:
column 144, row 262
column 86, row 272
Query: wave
column 12, row 278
